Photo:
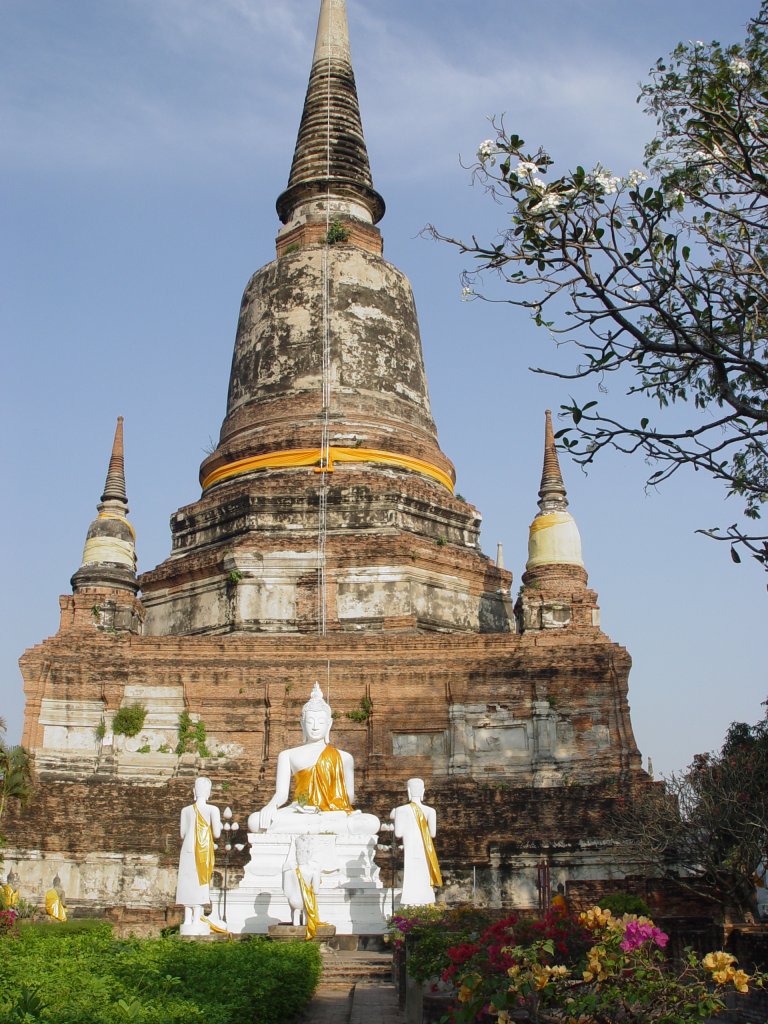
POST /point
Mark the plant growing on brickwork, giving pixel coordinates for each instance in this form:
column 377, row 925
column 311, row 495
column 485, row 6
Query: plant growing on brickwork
column 100, row 731
column 129, row 720
column 192, row 736
column 234, row 576
column 707, row 827
column 336, row 233
column 362, row 712
column 657, row 277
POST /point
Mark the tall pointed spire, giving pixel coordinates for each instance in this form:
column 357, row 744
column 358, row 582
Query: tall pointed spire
column 114, row 485
column 109, row 556
column 554, row 537
column 552, row 496
column 330, row 169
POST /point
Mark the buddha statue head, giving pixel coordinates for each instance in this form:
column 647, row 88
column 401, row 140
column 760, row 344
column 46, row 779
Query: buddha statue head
column 316, row 717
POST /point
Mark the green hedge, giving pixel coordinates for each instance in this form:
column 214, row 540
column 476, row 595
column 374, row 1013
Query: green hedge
column 87, row 977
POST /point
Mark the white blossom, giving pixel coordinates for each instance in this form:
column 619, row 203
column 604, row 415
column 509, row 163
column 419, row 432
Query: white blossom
column 486, row 151
column 603, row 178
column 634, row 178
column 739, row 66
column 526, row 168
column 548, row 202
column 636, row 288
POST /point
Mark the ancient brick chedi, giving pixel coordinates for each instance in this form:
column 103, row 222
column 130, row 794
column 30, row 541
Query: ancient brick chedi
column 327, row 544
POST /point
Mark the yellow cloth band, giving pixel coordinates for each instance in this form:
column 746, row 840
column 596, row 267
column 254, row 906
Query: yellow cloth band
column 204, row 857
column 54, row 907
column 435, row 878
column 315, row 457
column 310, row 906
column 550, row 519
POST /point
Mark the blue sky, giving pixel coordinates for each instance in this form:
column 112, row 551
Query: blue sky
column 144, row 143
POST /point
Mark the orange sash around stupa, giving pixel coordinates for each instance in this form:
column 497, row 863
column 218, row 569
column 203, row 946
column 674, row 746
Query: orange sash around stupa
column 203, row 849
column 323, row 784
column 435, row 878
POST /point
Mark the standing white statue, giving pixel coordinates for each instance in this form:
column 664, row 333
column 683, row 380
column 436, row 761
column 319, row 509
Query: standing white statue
column 301, row 881
column 323, row 783
column 200, row 825
column 416, row 825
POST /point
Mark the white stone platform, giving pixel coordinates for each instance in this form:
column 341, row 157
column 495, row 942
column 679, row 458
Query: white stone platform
column 350, row 895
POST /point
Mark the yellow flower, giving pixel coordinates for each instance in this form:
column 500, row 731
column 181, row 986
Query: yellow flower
column 595, row 918
column 718, row 961
column 740, row 979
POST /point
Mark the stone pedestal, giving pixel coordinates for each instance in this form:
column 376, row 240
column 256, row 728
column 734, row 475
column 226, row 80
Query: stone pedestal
column 350, row 895
column 295, row 933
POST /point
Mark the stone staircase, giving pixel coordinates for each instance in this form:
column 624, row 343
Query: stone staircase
column 345, row 968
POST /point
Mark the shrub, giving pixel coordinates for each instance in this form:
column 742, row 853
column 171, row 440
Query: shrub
column 431, row 931
column 625, row 903
column 192, row 736
column 597, row 968
column 361, row 713
column 337, row 233
column 129, row 721
column 87, row 977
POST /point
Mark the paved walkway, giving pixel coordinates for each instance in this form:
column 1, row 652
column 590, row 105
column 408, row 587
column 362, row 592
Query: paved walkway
column 367, row 1002
column 355, row 989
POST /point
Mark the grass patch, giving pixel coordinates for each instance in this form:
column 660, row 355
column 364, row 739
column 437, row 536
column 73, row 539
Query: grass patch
column 76, row 975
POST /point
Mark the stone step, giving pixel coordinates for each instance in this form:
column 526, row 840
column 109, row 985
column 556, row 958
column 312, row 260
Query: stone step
column 349, row 968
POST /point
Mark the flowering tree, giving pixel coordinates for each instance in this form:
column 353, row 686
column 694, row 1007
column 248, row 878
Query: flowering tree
column 623, row 975
column 659, row 275
column 707, row 827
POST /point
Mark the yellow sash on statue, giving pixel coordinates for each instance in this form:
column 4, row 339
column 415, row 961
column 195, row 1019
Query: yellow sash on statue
column 323, row 784
column 203, row 848
column 10, row 896
column 310, row 906
column 54, row 907
column 435, row 878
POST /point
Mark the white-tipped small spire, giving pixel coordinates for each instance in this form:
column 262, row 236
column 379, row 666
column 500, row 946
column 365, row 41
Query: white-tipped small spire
column 554, row 536
column 332, row 32
column 499, row 556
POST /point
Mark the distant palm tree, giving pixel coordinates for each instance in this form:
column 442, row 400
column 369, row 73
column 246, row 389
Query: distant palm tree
column 15, row 773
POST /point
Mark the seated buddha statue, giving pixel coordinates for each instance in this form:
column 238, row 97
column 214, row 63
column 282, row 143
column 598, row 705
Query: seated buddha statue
column 323, row 783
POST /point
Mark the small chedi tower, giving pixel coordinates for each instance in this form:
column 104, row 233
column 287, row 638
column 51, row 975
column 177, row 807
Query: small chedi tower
column 554, row 591
column 327, row 544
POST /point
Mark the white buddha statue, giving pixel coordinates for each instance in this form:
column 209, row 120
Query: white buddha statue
column 323, row 783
